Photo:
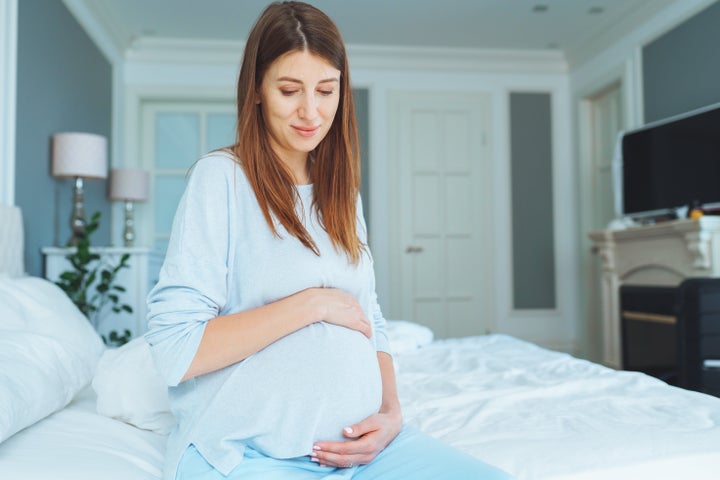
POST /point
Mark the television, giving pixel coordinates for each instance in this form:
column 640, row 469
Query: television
column 672, row 163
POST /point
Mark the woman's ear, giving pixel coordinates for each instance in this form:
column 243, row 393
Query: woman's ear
column 257, row 98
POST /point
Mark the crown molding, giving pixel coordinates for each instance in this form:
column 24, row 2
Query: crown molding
column 457, row 59
column 180, row 50
column 98, row 23
column 173, row 50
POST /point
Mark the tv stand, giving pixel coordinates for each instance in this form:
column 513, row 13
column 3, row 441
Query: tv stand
column 663, row 254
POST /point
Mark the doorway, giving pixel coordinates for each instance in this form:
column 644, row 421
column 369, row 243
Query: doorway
column 601, row 119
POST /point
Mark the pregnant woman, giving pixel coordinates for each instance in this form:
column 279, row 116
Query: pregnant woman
column 265, row 322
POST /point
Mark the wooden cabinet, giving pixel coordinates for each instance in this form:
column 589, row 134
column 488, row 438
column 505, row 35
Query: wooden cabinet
column 134, row 279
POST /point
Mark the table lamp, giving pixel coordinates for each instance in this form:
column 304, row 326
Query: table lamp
column 79, row 156
column 129, row 185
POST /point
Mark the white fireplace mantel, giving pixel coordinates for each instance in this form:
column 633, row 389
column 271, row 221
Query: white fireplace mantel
column 663, row 254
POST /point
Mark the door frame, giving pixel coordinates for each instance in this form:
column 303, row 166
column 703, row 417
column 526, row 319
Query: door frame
column 629, row 76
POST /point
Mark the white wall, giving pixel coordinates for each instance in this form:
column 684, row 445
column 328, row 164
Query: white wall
column 8, row 74
column 481, row 72
column 165, row 69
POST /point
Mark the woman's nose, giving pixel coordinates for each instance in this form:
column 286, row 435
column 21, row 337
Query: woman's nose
column 309, row 107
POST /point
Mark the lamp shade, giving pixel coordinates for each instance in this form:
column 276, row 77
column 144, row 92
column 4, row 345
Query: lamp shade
column 129, row 184
column 79, row 155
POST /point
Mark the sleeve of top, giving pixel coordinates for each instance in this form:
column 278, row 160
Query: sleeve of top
column 382, row 344
column 192, row 287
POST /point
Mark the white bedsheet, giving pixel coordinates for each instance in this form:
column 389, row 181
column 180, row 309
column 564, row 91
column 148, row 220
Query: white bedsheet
column 546, row 415
column 78, row 444
column 538, row 414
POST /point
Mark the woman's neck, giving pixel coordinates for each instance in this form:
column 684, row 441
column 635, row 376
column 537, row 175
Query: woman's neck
column 298, row 167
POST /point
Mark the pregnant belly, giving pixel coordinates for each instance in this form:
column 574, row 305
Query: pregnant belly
column 305, row 387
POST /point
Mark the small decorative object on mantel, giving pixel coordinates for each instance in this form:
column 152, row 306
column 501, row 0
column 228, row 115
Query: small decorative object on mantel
column 695, row 210
column 79, row 156
column 129, row 185
column 91, row 285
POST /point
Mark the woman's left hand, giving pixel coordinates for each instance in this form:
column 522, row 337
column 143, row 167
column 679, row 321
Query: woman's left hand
column 366, row 440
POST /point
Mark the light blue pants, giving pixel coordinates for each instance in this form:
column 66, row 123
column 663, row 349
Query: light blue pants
column 413, row 455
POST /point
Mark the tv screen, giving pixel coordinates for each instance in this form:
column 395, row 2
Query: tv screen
column 672, row 163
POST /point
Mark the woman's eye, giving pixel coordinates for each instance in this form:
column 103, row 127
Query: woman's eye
column 287, row 93
column 326, row 92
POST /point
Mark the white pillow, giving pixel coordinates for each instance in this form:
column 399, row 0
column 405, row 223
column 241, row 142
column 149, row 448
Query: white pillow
column 42, row 307
column 39, row 376
column 48, row 351
column 13, row 313
column 130, row 389
column 407, row 336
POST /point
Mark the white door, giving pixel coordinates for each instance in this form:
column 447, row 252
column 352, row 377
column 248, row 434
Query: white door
column 441, row 257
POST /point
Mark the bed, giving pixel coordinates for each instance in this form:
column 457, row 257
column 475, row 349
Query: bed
column 72, row 409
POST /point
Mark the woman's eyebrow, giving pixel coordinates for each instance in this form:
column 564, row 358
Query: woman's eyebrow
column 295, row 80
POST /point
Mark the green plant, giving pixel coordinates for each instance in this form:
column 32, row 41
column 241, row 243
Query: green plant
column 114, row 338
column 91, row 284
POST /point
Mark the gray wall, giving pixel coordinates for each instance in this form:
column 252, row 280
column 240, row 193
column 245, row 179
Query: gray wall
column 681, row 69
column 532, row 201
column 361, row 97
column 64, row 83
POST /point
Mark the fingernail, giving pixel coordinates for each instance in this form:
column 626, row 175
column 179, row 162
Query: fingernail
column 313, row 454
column 314, row 459
column 315, row 447
column 348, row 430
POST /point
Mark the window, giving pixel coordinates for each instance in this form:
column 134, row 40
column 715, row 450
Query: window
column 176, row 134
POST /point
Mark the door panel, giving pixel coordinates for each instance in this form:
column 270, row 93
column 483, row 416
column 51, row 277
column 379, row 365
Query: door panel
column 458, row 195
column 427, row 203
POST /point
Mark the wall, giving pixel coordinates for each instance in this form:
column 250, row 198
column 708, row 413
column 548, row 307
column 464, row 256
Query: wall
column 360, row 96
column 210, row 71
column 681, row 69
column 8, row 65
column 64, row 83
column 532, row 199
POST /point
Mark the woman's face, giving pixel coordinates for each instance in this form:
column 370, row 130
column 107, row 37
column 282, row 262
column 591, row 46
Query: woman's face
column 299, row 96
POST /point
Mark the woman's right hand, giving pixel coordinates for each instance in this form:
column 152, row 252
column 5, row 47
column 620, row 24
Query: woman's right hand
column 339, row 308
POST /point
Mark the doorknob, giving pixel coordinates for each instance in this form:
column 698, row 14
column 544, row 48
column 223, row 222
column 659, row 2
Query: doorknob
column 413, row 249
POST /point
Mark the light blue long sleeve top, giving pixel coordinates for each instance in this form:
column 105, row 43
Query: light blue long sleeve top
column 223, row 258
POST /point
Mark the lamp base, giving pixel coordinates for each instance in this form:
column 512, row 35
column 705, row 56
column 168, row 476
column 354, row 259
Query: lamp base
column 77, row 218
column 129, row 230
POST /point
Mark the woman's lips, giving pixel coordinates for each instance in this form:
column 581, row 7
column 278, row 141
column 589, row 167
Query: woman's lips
column 306, row 131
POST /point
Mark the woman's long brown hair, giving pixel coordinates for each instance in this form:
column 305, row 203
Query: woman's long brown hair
column 334, row 166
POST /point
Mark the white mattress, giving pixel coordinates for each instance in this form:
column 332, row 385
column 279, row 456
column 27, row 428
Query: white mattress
column 546, row 415
column 537, row 414
column 78, row 444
